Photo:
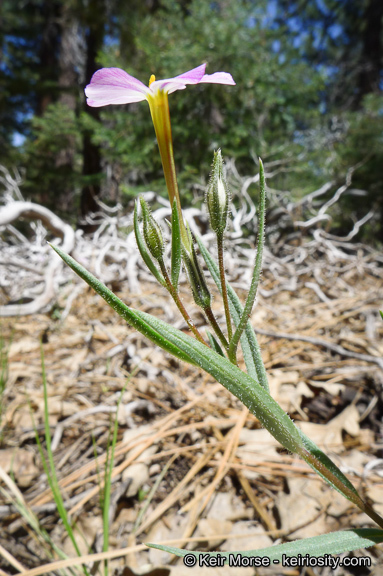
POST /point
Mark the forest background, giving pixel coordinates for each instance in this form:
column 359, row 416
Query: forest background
column 308, row 99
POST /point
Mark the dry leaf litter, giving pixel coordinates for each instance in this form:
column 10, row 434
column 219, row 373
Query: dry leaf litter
column 228, row 485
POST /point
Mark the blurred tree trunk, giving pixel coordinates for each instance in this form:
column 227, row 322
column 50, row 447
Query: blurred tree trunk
column 372, row 52
column 48, row 54
column 94, row 37
column 69, row 62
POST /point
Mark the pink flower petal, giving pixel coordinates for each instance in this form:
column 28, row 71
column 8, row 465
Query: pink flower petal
column 180, row 82
column 218, row 78
column 114, row 86
column 194, row 76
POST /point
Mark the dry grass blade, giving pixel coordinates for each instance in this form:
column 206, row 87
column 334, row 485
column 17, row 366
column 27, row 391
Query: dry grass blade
column 228, row 454
column 11, row 560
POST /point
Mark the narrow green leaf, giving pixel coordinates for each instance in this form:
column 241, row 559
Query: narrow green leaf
column 245, row 388
column 257, row 266
column 325, row 460
column 262, row 405
column 249, row 342
column 176, row 247
column 381, row 314
column 214, row 344
column 184, row 347
column 130, row 315
column 143, row 250
column 323, row 546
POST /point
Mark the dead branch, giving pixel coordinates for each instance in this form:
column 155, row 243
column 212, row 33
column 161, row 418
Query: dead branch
column 20, row 209
column 319, row 342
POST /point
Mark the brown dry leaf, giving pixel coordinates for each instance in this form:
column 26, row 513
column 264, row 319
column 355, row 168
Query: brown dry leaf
column 174, row 528
column 255, row 446
column 21, row 464
column 338, row 505
column 252, row 537
column 299, row 510
column 287, row 389
column 333, row 388
column 23, row 346
column 75, row 359
column 88, row 526
column 329, row 436
column 57, row 406
column 23, row 370
column 138, row 474
column 375, row 493
column 21, row 420
column 228, row 506
column 208, row 528
column 138, row 471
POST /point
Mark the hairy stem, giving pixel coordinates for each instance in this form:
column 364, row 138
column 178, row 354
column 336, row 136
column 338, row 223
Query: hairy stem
column 174, row 294
column 223, row 285
column 214, row 324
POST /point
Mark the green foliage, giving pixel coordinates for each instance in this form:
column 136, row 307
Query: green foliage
column 296, row 71
column 362, row 147
column 53, row 157
column 269, row 102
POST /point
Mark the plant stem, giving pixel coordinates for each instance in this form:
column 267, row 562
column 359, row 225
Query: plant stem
column 174, row 294
column 214, row 324
column 232, row 352
column 223, row 285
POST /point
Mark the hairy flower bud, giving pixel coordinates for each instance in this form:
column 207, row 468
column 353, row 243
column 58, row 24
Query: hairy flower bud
column 200, row 291
column 217, row 196
column 152, row 232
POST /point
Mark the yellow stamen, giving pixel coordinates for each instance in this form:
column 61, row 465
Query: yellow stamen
column 151, row 79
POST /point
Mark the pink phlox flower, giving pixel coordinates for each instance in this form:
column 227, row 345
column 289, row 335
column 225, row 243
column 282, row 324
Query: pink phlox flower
column 115, row 86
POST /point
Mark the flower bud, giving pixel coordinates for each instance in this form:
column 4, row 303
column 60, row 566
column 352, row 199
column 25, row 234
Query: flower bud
column 200, row 291
column 217, row 196
column 152, row 232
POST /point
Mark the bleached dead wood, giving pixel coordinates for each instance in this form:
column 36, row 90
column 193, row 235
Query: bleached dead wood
column 11, row 212
column 30, row 270
column 329, row 345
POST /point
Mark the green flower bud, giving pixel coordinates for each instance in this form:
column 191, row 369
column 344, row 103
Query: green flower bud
column 152, row 232
column 200, row 291
column 217, row 196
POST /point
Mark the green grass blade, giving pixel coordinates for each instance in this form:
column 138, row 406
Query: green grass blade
column 3, row 376
column 249, row 342
column 318, row 546
column 50, row 466
column 16, row 498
